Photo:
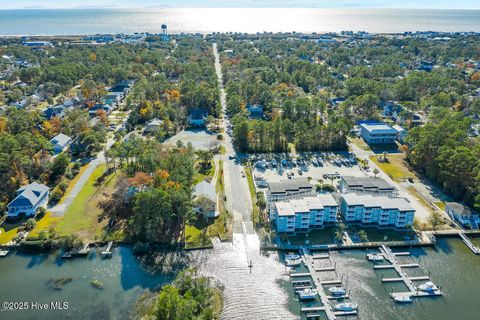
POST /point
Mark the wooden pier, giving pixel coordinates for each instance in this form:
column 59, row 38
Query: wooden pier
column 83, row 252
column 108, row 251
column 413, row 291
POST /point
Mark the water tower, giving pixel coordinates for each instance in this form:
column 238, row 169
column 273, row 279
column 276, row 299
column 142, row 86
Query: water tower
column 164, row 32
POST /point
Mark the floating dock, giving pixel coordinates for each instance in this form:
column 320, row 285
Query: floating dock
column 413, row 291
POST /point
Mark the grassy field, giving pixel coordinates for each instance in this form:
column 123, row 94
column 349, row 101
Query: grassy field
column 196, row 235
column 251, row 187
column 395, row 167
column 200, row 176
column 221, row 227
column 440, row 204
column 82, row 216
column 7, row 236
column 359, row 142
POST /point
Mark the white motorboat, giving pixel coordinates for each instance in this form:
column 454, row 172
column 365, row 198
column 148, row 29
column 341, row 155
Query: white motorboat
column 403, row 299
column 307, row 294
column 428, row 287
column 375, row 257
column 292, row 256
column 337, row 291
column 346, row 306
column 294, row 262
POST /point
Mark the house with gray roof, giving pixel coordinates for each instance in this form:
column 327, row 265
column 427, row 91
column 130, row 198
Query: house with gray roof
column 28, row 199
column 205, row 199
column 153, row 125
column 60, row 142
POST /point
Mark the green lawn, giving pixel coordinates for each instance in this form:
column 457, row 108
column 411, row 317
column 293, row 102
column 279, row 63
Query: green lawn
column 359, row 142
column 251, row 187
column 200, row 176
column 395, row 167
column 82, row 215
column 196, row 234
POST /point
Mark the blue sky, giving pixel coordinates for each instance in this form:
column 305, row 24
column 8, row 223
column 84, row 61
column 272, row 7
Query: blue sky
column 423, row 4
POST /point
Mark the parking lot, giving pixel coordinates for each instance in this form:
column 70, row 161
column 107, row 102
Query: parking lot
column 325, row 166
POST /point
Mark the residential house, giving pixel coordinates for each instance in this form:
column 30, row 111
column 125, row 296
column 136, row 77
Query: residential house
column 60, row 142
column 380, row 211
column 377, row 133
column 113, row 98
column 28, row 199
column 286, row 190
column 153, row 125
column 205, row 201
column 93, row 110
column 255, row 111
column 305, row 214
column 197, row 117
column 371, row 185
column 463, row 214
column 57, row 111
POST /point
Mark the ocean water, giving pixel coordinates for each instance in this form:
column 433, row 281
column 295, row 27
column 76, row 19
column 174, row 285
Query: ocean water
column 206, row 20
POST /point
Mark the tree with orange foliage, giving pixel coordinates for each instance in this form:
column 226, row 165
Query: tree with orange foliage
column 141, row 180
column 476, row 76
column 102, row 115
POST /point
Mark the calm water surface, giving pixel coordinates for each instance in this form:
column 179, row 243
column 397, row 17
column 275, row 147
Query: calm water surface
column 205, row 20
column 265, row 293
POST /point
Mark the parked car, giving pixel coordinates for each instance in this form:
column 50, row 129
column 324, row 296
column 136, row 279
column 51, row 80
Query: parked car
column 231, row 157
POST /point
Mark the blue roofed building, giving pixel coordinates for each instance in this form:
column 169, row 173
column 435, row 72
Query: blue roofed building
column 255, row 111
column 197, row 117
column 57, row 111
column 28, row 199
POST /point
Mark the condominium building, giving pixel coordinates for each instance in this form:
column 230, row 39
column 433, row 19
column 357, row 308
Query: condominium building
column 373, row 185
column 305, row 214
column 286, row 190
column 381, row 211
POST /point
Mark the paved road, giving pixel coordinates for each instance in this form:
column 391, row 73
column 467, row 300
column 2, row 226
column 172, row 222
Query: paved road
column 239, row 201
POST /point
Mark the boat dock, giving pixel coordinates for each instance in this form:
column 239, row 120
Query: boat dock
column 327, row 308
column 413, row 291
column 83, row 252
column 108, row 251
column 463, row 234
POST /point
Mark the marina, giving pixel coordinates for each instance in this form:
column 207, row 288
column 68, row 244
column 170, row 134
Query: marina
column 413, row 291
column 325, row 295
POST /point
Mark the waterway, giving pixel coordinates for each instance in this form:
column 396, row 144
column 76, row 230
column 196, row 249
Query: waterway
column 260, row 292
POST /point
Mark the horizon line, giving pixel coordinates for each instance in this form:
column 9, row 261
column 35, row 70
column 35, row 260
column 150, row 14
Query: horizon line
column 236, row 7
